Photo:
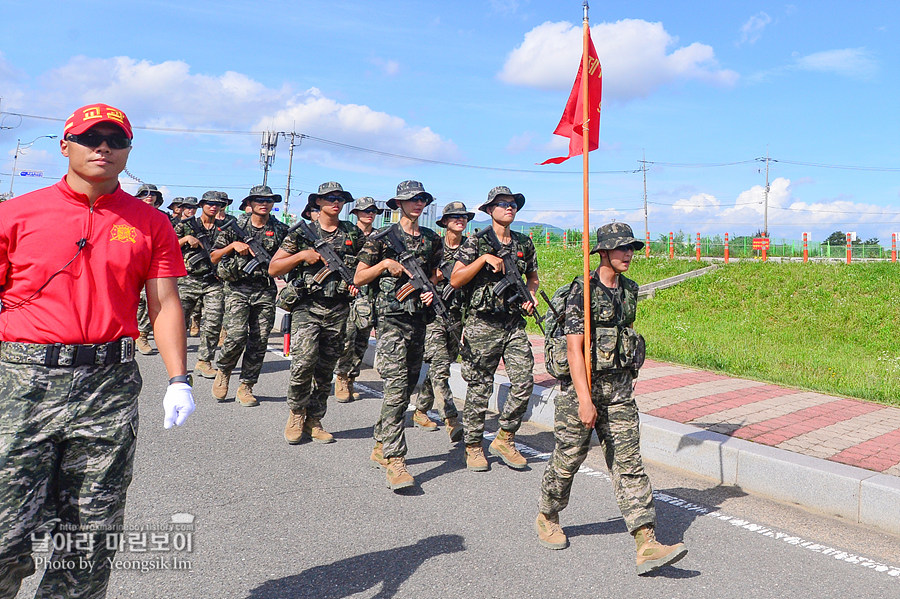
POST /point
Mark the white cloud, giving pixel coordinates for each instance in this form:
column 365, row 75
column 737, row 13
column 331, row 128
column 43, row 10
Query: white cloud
column 848, row 62
column 696, row 203
column 752, row 30
column 314, row 114
column 168, row 94
column 635, row 56
column 388, row 67
column 520, row 143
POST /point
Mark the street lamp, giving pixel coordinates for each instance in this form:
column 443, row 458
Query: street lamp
column 19, row 147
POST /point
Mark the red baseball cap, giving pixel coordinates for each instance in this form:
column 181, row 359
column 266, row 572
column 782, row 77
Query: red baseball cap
column 87, row 116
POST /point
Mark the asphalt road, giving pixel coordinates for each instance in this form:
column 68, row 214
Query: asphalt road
column 278, row 521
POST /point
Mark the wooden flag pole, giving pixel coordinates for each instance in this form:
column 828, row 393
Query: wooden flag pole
column 585, row 241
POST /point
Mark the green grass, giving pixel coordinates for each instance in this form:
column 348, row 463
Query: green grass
column 824, row 327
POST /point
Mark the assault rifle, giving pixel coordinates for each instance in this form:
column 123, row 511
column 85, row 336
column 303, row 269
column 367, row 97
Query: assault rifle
column 512, row 278
column 260, row 255
column 205, row 246
column 333, row 262
column 449, row 290
column 418, row 280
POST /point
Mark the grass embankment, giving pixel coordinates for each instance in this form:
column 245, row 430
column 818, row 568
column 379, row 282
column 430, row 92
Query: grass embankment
column 825, row 327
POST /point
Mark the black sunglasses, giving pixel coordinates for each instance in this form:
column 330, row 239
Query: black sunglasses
column 116, row 141
column 370, row 210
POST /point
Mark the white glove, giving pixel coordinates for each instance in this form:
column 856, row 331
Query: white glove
column 178, row 404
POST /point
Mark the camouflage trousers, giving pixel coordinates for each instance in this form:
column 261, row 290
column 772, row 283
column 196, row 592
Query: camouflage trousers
column 208, row 295
column 317, row 335
column 356, row 342
column 398, row 359
column 143, row 316
column 441, row 350
column 619, row 434
column 485, row 342
column 249, row 318
column 67, row 439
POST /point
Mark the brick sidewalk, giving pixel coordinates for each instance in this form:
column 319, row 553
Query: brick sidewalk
column 848, row 431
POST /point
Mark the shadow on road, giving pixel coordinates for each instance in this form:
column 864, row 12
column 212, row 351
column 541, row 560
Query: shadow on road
column 388, row 569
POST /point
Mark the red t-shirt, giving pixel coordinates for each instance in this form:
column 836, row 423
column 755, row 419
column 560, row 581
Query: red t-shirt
column 95, row 298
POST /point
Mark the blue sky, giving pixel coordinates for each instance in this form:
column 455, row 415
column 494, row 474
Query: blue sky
column 687, row 84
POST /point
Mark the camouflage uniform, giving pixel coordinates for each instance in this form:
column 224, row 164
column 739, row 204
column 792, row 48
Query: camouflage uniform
column 612, row 311
column 318, row 318
column 86, row 481
column 495, row 329
column 201, row 288
column 143, row 316
column 401, row 334
column 249, row 300
column 360, row 323
column 442, row 345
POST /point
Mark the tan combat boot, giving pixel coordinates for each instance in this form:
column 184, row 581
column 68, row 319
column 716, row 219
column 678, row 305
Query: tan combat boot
column 205, row 369
column 354, row 395
column 421, row 420
column 221, row 338
column 504, row 447
column 454, row 429
column 475, row 460
column 342, row 389
column 313, row 426
column 245, row 395
column 550, row 533
column 398, row 477
column 142, row 343
column 195, row 326
column 293, row 430
column 220, row 385
column 651, row 554
column 377, row 456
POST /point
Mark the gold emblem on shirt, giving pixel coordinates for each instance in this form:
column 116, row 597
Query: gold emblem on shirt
column 123, row 233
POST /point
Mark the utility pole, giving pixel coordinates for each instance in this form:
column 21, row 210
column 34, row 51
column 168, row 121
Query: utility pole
column 644, row 168
column 287, row 192
column 267, row 152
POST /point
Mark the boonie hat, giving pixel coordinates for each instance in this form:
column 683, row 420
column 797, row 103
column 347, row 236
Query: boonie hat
column 454, row 209
column 189, row 202
column 149, row 189
column 93, row 114
column 364, row 203
column 615, row 235
column 307, row 212
column 408, row 190
column 326, row 189
column 261, row 192
column 215, row 197
column 501, row 190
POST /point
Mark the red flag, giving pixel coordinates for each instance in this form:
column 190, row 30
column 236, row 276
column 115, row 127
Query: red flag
column 570, row 125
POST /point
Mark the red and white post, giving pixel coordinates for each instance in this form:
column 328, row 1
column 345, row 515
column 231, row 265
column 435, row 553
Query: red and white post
column 647, row 246
column 565, row 239
column 698, row 247
column 726, row 248
column 849, row 249
column 805, row 248
column 893, row 247
column 548, row 237
column 671, row 245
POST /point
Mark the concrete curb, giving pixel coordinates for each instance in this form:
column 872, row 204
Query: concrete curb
column 858, row 495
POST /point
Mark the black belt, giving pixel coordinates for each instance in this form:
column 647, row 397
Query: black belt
column 58, row 354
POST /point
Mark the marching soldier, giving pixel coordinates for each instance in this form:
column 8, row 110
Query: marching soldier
column 400, row 322
column 201, row 287
column 150, row 195
column 249, row 293
column 320, row 309
column 495, row 328
column 362, row 318
column 175, row 208
column 441, row 343
column 607, row 407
